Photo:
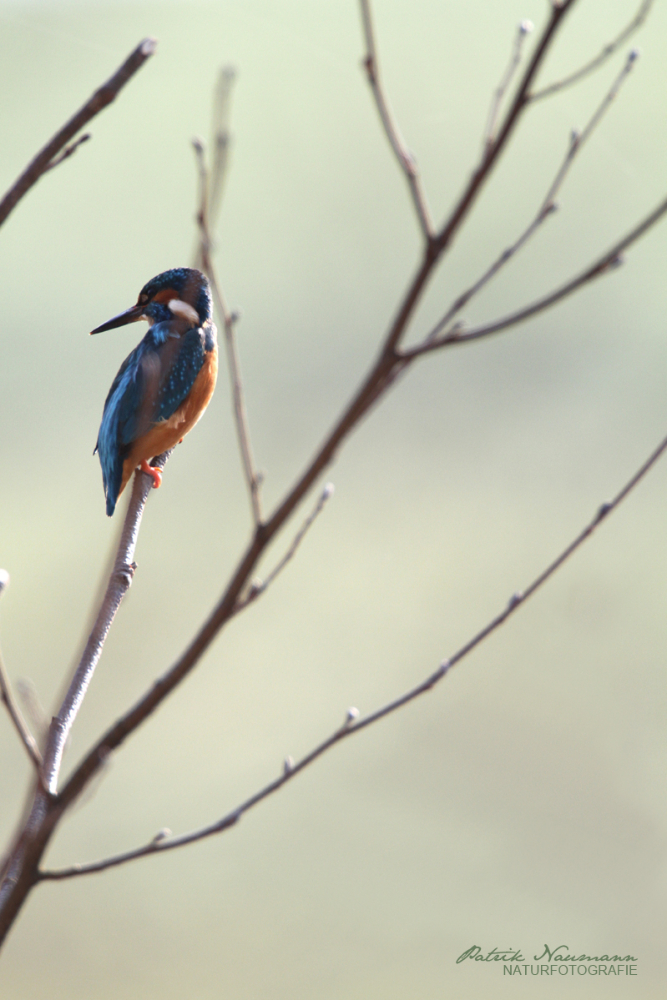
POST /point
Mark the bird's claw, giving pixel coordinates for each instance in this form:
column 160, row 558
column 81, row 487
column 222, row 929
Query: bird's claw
column 155, row 474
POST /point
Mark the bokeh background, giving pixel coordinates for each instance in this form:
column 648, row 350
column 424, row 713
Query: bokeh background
column 523, row 801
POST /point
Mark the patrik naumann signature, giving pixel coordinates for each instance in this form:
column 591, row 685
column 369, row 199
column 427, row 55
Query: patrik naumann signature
column 559, row 954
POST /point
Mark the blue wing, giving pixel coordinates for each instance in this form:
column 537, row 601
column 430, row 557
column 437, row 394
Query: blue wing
column 180, row 377
column 151, row 384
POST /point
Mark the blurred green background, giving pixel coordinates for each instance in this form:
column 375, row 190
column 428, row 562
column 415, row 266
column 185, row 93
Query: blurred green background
column 523, row 801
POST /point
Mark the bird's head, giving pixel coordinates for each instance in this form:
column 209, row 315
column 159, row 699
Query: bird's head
column 181, row 293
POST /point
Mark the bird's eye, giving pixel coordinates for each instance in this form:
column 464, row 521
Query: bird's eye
column 143, row 299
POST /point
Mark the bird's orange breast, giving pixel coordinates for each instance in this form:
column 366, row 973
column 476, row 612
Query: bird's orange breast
column 165, row 434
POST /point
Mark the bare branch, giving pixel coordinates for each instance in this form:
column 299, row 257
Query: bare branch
column 103, row 96
column 378, row 379
column 353, row 724
column 253, row 478
column 607, row 51
column 522, row 33
column 608, row 262
column 545, row 210
column 405, row 158
column 258, row 587
column 6, row 696
column 119, row 583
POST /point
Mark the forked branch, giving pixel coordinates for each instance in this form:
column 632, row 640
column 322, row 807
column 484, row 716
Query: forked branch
column 353, row 723
column 603, row 265
column 546, row 209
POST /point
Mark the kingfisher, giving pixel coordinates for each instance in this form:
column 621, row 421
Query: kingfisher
column 165, row 384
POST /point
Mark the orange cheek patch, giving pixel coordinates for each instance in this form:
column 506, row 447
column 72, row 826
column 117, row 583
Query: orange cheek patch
column 166, row 295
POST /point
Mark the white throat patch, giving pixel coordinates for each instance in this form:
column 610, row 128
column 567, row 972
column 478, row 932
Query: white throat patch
column 184, row 311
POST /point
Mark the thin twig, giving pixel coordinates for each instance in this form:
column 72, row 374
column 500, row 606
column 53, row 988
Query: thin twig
column 119, row 583
column 68, row 150
column 221, row 140
column 405, row 158
column 100, row 99
column 36, row 717
column 258, row 587
column 353, row 724
column 6, row 696
column 607, row 51
column 18, row 721
column 546, row 209
column 606, row 263
column 522, row 33
column 253, row 478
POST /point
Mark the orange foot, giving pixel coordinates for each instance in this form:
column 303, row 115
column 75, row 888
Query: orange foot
column 155, row 474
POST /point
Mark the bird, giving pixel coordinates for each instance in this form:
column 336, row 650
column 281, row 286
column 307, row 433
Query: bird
column 165, row 384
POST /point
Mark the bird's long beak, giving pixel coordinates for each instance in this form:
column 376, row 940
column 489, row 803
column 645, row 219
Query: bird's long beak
column 129, row 316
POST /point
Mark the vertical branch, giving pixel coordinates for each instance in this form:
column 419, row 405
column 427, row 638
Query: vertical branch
column 252, row 477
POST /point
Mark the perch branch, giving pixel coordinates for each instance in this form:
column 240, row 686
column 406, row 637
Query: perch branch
column 353, row 724
column 103, row 96
column 119, row 583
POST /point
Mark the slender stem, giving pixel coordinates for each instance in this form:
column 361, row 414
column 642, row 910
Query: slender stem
column 353, row 724
column 405, row 159
column 258, row 587
column 19, row 723
column 252, row 476
column 100, row 99
column 607, row 51
column 520, row 36
column 68, row 151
